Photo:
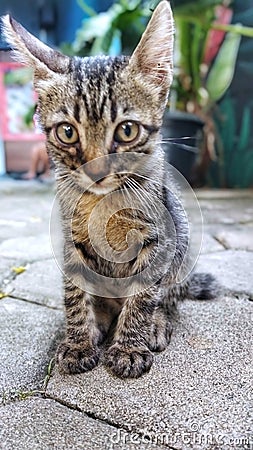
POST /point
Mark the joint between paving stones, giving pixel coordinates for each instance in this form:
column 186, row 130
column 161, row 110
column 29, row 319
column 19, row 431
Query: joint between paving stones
column 100, row 419
column 33, row 302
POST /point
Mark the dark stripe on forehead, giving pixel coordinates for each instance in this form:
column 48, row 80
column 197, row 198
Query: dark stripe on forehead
column 114, row 110
column 102, row 107
column 86, row 104
column 77, row 112
column 63, row 110
column 77, row 69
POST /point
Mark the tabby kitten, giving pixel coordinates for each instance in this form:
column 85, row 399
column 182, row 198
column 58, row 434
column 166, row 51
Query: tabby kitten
column 126, row 234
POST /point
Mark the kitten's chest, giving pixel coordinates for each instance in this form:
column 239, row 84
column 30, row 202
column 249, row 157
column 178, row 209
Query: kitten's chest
column 113, row 230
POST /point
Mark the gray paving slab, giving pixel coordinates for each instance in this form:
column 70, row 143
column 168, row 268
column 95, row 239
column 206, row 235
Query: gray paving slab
column 228, row 211
column 232, row 268
column 198, row 394
column 215, row 195
column 209, row 243
column 239, row 238
column 29, row 334
column 6, row 270
column 43, row 424
column 24, row 212
column 23, row 222
column 32, row 248
column 41, row 282
column 9, row 186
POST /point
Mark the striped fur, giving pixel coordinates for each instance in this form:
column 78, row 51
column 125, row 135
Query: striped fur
column 94, row 97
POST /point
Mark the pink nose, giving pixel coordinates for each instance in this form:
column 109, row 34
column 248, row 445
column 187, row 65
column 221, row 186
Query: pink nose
column 97, row 169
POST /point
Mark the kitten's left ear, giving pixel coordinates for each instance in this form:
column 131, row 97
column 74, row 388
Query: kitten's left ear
column 153, row 57
column 31, row 51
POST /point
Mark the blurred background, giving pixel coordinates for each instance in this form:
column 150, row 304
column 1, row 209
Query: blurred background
column 208, row 125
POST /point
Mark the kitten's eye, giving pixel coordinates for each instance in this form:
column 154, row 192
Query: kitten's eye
column 126, row 132
column 67, row 134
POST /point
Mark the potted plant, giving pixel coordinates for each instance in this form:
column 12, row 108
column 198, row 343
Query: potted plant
column 206, row 53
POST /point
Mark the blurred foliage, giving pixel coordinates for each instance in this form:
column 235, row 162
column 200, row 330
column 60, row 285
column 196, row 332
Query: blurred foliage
column 201, row 81
column 19, row 76
column 203, row 71
column 112, row 32
column 28, row 117
column 207, row 47
column 234, row 165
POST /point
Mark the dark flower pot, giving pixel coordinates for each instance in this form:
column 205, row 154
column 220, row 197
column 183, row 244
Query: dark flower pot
column 182, row 153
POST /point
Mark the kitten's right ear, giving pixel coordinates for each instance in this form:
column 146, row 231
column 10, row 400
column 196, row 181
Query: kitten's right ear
column 31, row 51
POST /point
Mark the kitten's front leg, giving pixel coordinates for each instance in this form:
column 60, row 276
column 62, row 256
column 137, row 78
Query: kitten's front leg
column 79, row 351
column 129, row 355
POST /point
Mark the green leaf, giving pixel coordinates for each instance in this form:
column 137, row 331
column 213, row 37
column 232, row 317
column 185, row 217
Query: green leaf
column 248, row 172
column 195, row 8
column 236, row 29
column 86, row 8
column 93, row 28
column 197, row 37
column 184, row 47
column 222, row 71
column 248, row 175
column 244, row 137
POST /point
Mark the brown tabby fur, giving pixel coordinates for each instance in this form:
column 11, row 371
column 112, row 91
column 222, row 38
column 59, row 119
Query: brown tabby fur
column 96, row 95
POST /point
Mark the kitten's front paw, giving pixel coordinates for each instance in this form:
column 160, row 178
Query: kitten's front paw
column 128, row 362
column 72, row 358
column 159, row 338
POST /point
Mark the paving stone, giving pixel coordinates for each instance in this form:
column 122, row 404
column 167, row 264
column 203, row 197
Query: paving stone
column 215, row 195
column 209, row 243
column 24, row 213
column 43, row 424
column 31, row 248
column 232, row 268
column 235, row 214
column 28, row 338
column 240, row 238
column 6, row 272
column 198, row 393
column 9, row 187
column 228, row 211
column 41, row 282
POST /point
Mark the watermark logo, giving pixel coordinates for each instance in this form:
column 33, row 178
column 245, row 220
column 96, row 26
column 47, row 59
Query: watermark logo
column 194, row 437
column 126, row 219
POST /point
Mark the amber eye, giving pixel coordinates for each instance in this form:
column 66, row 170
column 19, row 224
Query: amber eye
column 126, row 132
column 67, row 134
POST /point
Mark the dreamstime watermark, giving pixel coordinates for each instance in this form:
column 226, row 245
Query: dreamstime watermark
column 130, row 217
column 193, row 437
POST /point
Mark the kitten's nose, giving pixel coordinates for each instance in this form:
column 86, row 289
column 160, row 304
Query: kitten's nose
column 97, row 169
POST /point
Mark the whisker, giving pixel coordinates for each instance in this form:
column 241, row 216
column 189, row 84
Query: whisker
column 143, row 196
column 150, row 180
column 182, row 138
column 128, row 198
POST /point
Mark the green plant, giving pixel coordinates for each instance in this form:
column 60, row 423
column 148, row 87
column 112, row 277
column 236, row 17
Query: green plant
column 207, row 46
column 111, row 32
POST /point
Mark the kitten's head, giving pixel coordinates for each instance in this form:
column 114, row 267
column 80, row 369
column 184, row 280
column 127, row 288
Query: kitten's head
column 98, row 106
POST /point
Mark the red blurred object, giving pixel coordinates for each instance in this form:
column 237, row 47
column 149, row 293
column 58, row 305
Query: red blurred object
column 215, row 37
